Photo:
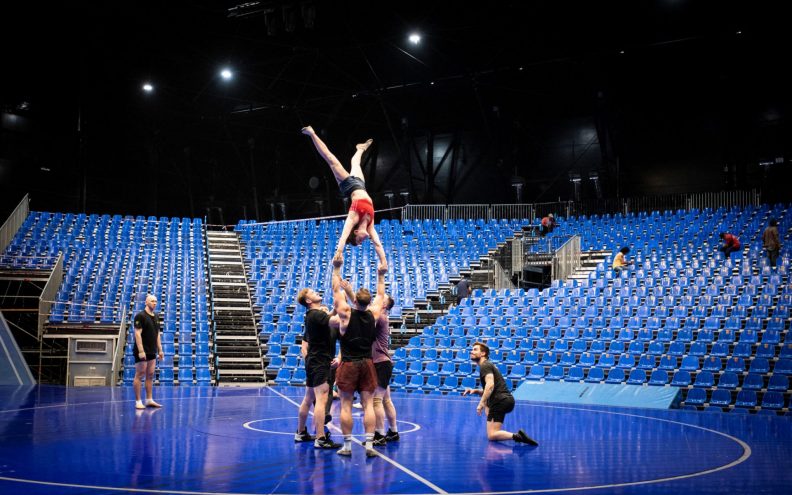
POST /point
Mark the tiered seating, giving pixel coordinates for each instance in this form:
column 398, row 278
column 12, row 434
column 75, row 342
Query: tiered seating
column 286, row 257
column 683, row 315
column 111, row 263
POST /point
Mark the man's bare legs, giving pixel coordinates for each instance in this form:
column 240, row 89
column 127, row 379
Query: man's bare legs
column 321, row 393
column 335, row 166
column 140, row 375
column 346, row 421
column 369, row 420
column 145, row 369
column 496, row 434
column 356, row 170
column 390, row 413
column 302, row 415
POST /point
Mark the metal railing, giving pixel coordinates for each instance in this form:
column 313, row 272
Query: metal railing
column 15, row 220
column 49, row 293
column 497, row 276
column 566, row 259
column 118, row 352
column 568, row 208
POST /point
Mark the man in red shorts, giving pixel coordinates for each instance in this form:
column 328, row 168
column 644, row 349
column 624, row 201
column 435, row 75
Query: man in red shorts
column 357, row 331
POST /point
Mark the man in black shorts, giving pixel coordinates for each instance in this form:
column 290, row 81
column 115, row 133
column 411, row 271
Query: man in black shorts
column 496, row 399
column 318, row 350
column 147, row 347
column 383, row 364
column 356, row 329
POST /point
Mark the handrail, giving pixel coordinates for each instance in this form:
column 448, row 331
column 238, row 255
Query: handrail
column 118, row 352
column 533, row 211
column 14, row 222
column 566, row 259
column 48, row 294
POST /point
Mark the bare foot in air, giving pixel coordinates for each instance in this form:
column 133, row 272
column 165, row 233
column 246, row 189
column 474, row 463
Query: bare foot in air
column 364, row 146
column 307, row 130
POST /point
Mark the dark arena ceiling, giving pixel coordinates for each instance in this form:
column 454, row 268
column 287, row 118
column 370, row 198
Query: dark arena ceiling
column 78, row 125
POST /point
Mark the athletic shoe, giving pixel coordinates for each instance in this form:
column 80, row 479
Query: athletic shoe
column 303, row 436
column 392, row 436
column 139, row 405
column 326, row 443
column 344, row 452
column 151, row 403
column 357, row 405
column 521, row 437
column 371, row 453
column 379, row 440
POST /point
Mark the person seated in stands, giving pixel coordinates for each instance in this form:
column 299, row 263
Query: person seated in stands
column 548, row 224
column 730, row 243
column 359, row 224
column 620, row 261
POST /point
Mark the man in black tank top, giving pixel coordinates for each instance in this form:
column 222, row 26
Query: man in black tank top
column 357, row 331
column 318, row 350
column 496, row 399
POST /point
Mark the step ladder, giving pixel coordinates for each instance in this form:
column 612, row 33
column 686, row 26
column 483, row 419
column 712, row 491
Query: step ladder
column 237, row 350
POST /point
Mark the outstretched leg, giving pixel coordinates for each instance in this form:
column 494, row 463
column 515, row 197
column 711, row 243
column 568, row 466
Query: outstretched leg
column 356, row 170
column 335, row 166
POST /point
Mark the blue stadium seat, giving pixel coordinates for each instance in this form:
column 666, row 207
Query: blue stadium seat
column 720, row 398
column 658, row 378
column 746, row 399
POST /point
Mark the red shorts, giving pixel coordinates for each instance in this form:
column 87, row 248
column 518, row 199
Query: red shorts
column 357, row 376
column 363, row 207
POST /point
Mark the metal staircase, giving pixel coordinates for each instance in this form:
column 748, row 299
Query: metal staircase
column 236, row 341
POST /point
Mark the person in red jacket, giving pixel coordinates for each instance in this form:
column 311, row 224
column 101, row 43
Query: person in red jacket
column 730, row 243
column 548, row 224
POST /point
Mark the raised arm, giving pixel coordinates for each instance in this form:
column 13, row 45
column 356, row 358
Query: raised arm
column 340, row 305
column 379, row 299
column 375, row 239
column 349, row 224
column 348, row 290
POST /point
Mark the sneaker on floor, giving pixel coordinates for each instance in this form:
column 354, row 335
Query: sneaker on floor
column 379, row 440
column 521, row 437
column 151, row 403
column 139, row 405
column 304, row 436
column 344, row 452
column 357, row 405
column 326, row 443
column 392, row 436
column 371, row 453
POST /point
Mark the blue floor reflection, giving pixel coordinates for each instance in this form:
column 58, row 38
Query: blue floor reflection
column 209, row 440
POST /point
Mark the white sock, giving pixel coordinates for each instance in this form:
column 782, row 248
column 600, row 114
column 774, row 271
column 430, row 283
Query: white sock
column 347, row 442
column 394, row 429
column 381, row 431
column 369, row 441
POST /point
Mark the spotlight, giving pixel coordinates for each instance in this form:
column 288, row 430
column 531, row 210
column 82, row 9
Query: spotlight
column 226, row 74
column 415, row 38
column 148, row 88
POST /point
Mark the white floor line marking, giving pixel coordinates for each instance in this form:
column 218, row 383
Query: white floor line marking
column 381, row 455
column 746, row 452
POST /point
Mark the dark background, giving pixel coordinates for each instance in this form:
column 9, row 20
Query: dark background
column 652, row 97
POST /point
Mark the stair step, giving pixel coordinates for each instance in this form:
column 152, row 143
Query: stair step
column 241, row 372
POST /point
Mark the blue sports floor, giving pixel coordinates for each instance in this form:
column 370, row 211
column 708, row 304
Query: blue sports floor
column 240, row 440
